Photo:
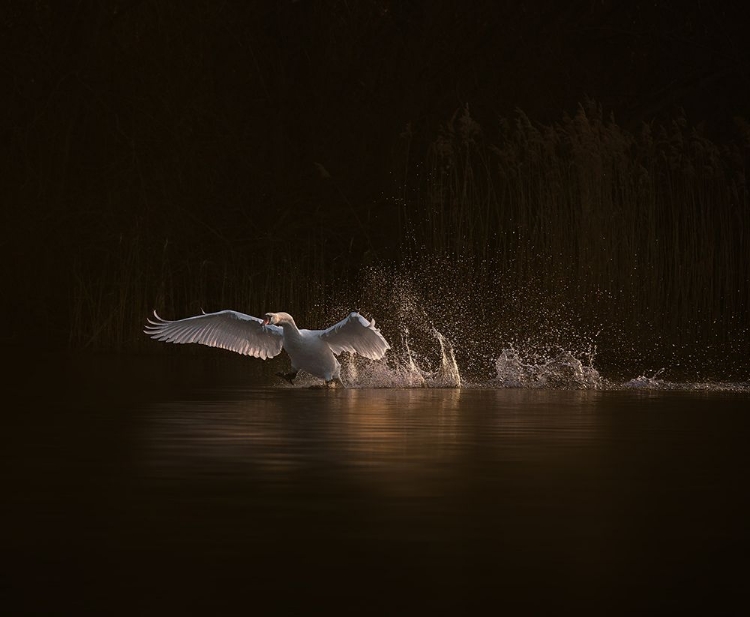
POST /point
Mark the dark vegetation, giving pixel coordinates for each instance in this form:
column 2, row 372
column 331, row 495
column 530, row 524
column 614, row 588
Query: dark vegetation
column 278, row 155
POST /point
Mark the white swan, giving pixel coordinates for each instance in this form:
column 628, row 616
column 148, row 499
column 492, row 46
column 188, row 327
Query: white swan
column 312, row 351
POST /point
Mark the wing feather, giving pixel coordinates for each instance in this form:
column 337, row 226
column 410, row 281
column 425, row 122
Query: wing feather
column 232, row 330
column 356, row 335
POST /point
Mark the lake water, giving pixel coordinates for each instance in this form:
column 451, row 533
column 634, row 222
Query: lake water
column 173, row 485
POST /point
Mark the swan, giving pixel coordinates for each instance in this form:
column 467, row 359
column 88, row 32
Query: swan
column 312, row 351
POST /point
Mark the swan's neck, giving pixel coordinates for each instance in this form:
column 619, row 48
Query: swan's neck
column 290, row 329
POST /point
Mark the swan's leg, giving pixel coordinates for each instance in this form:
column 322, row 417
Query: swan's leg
column 288, row 376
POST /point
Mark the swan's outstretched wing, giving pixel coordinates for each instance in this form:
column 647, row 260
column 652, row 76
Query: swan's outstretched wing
column 230, row 330
column 356, row 334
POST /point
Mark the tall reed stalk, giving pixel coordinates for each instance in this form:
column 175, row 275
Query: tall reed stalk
column 111, row 299
column 651, row 226
column 642, row 236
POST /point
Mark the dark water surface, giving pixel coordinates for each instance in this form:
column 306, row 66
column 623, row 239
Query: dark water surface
column 180, row 486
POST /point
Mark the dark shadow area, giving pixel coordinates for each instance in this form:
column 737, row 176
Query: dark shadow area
column 156, row 485
column 267, row 156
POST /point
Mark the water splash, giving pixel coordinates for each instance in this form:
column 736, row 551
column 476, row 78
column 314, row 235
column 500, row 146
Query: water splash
column 447, row 375
column 653, row 383
column 402, row 370
column 450, row 328
column 563, row 371
column 406, row 368
column 412, row 372
column 643, row 382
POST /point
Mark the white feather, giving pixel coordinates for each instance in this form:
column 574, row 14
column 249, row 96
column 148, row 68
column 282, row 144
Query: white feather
column 312, row 351
column 356, row 335
column 243, row 334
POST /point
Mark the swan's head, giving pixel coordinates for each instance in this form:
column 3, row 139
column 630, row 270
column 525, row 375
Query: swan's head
column 277, row 319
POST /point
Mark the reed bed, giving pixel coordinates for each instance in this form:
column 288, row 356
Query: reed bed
column 640, row 233
column 636, row 238
column 109, row 303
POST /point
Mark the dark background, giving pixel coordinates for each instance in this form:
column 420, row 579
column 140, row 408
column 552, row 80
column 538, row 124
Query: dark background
column 547, row 175
column 182, row 155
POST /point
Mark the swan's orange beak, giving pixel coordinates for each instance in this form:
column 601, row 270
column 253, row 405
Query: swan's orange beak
column 266, row 321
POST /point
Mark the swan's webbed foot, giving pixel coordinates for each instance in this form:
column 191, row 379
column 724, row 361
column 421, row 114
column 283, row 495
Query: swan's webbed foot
column 288, row 376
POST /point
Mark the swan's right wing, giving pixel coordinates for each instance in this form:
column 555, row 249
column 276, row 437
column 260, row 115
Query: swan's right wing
column 356, row 334
column 243, row 334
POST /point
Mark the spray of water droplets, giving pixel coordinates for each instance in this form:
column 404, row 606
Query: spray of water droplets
column 449, row 328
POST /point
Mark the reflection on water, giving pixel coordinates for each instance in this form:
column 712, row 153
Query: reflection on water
column 278, row 430
column 388, row 437
column 155, row 486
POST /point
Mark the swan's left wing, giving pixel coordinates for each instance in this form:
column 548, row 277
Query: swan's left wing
column 356, row 334
column 232, row 330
